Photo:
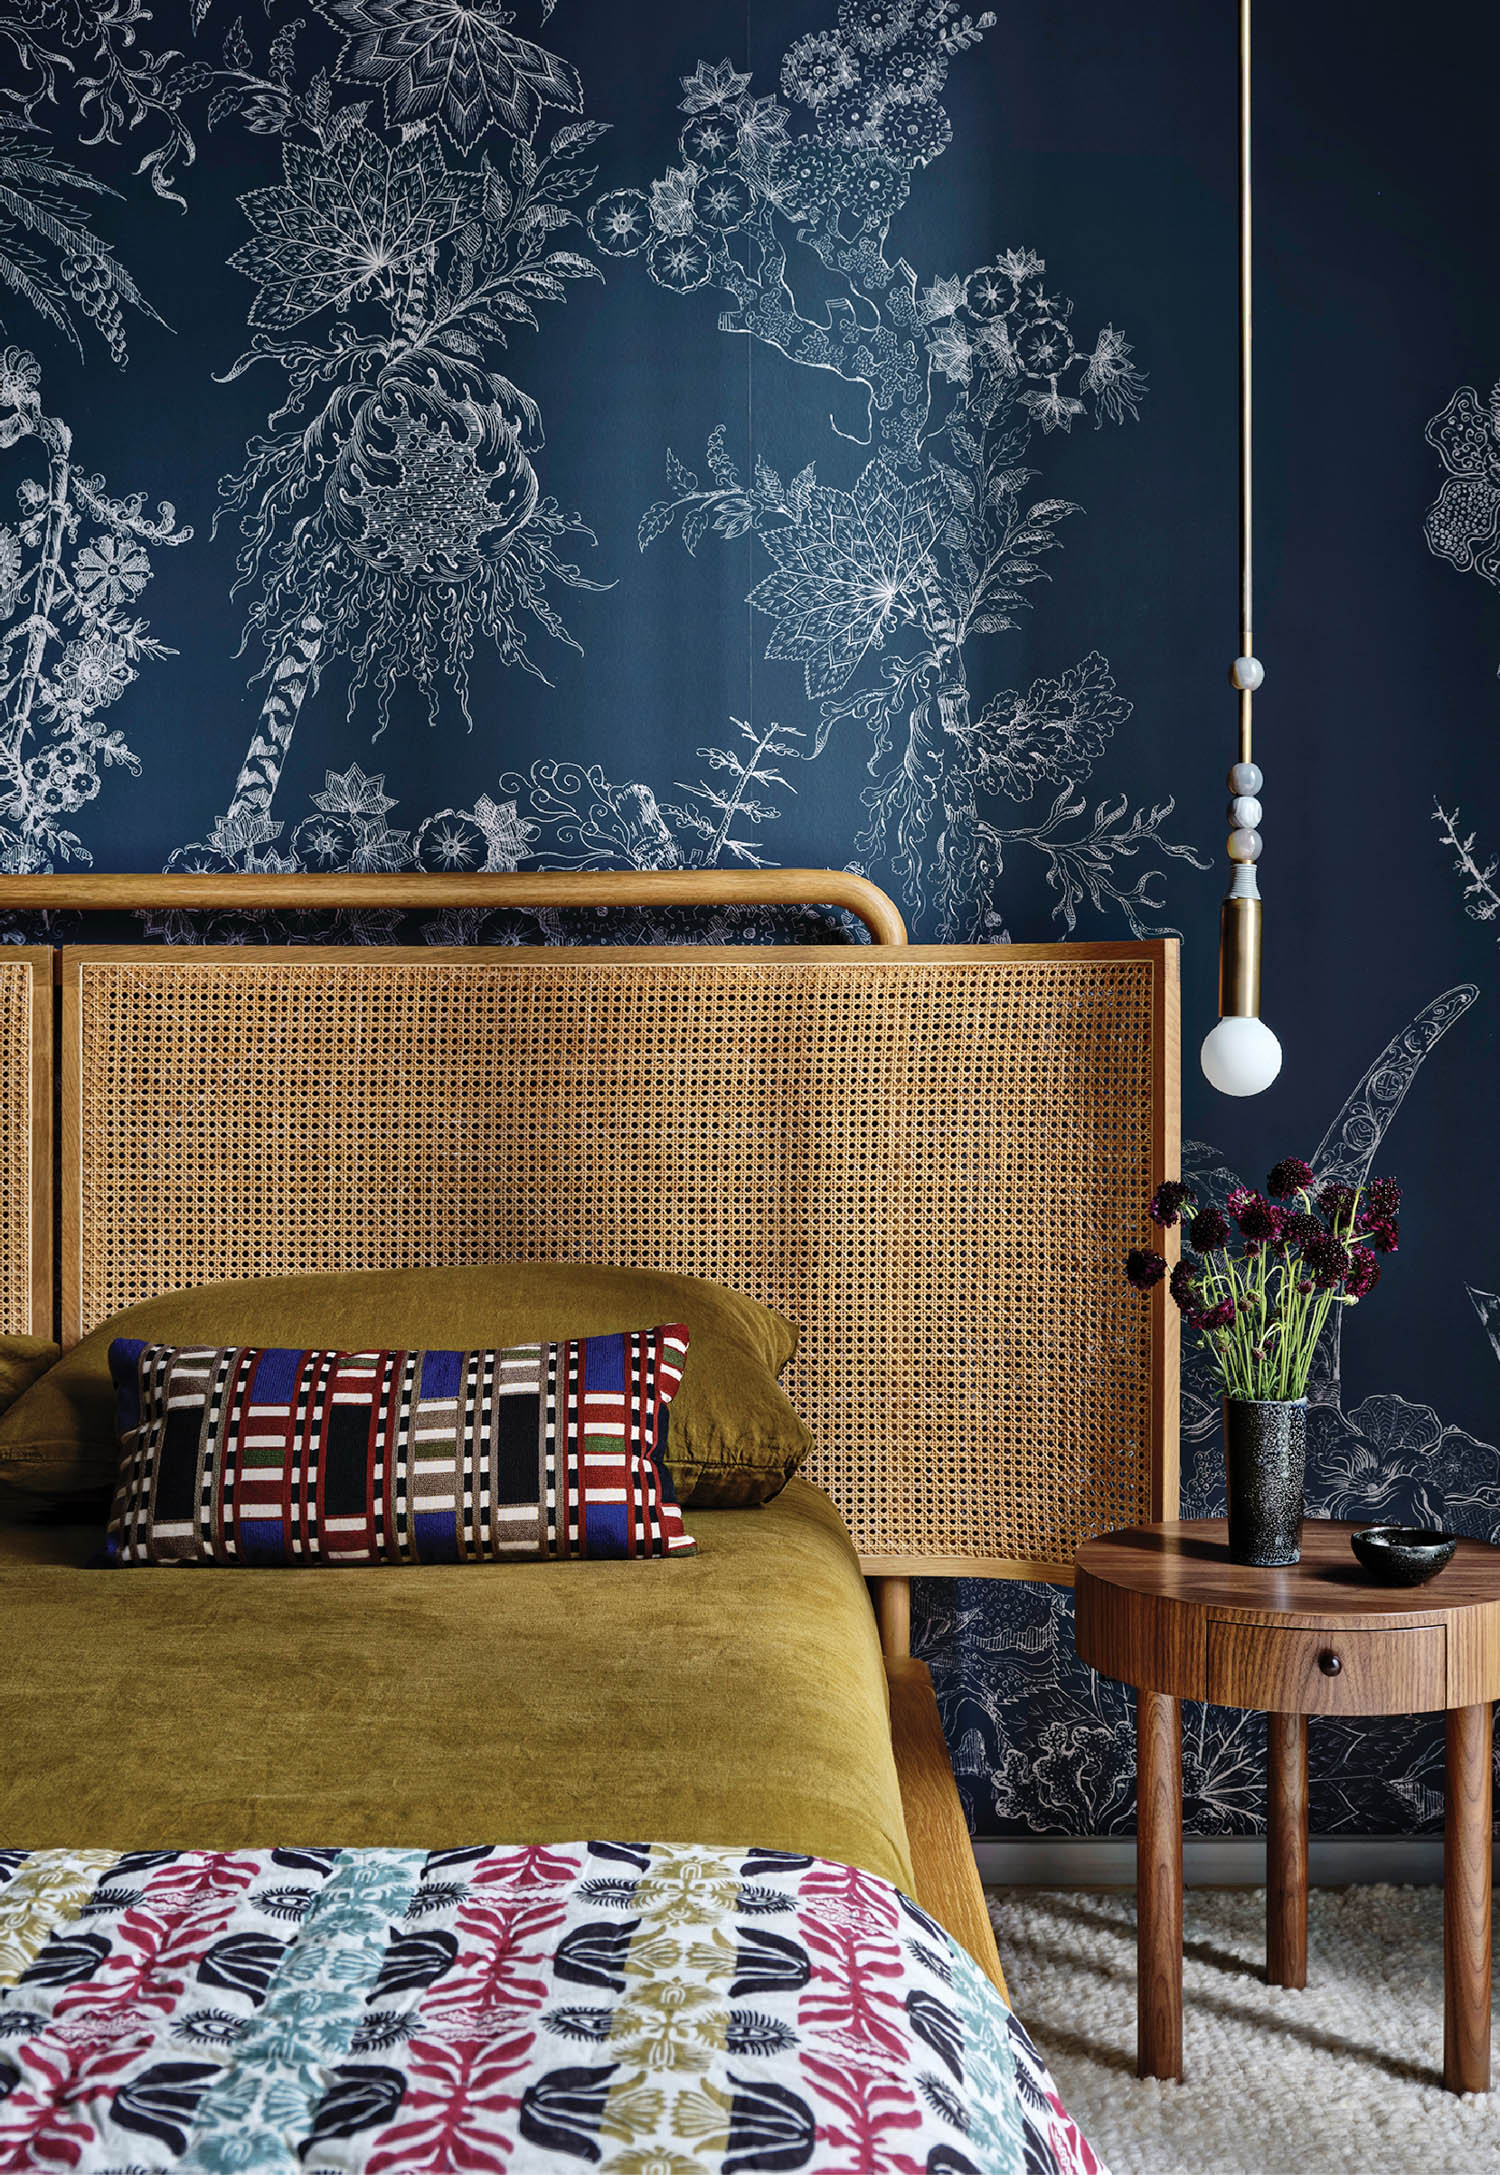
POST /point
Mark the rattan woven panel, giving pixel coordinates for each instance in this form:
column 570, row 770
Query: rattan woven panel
column 929, row 1164
column 25, row 1068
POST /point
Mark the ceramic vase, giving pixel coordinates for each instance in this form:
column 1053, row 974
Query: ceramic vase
column 1265, row 1458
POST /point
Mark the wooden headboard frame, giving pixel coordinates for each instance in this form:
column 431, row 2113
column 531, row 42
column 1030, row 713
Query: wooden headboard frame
column 26, row 1155
column 931, row 1156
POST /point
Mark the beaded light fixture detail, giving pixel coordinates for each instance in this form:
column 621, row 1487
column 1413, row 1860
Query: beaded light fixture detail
column 1241, row 1056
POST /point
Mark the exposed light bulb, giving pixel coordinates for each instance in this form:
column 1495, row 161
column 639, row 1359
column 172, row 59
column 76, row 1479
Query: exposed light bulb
column 1240, row 1056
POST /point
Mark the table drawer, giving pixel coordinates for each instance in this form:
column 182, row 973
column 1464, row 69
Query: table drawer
column 1327, row 1672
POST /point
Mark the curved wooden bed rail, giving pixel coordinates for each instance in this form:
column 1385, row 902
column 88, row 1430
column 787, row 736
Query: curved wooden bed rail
column 555, row 888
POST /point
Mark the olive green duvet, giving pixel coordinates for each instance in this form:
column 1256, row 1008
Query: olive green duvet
column 734, row 1697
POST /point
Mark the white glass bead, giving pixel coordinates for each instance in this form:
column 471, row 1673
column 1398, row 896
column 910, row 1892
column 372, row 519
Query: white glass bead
column 1244, row 812
column 1245, row 778
column 1244, row 845
column 1246, row 673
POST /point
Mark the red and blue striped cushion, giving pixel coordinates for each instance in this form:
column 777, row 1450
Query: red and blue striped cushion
column 235, row 1454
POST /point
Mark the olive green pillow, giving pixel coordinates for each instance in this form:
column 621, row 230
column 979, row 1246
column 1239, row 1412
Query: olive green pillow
column 23, row 1360
column 734, row 1437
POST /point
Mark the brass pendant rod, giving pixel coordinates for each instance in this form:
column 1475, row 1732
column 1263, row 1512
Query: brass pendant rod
column 1241, row 1055
column 1247, row 614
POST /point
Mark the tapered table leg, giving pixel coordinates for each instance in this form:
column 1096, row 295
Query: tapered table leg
column 1466, row 1901
column 1158, row 1875
column 1286, row 1849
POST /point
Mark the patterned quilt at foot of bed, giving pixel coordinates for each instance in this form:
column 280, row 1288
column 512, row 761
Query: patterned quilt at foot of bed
column 640, row 2009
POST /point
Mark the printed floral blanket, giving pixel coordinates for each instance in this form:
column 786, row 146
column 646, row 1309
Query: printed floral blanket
column 641, row 2009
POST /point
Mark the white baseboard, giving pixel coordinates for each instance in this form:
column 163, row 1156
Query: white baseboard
column 1231, row 1861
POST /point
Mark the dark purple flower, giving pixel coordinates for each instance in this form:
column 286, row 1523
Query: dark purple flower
column 1183, row 1284
column 1383, row 1236
column 1383, row 1200
column 1221, row 1316
column 1169, row 1200
column 1290, row 1176
column 1328, row 1260
column 1255, row 1216
column 1336, row 1202
column 1208, row 1231
column 1300, row 1229
column 1143, row 1268
column 1364, row 1273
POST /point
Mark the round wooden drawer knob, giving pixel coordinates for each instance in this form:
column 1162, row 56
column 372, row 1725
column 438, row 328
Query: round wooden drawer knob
column 1329, row 1663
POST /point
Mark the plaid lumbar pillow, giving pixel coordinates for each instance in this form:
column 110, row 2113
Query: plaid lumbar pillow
column 237, row 1455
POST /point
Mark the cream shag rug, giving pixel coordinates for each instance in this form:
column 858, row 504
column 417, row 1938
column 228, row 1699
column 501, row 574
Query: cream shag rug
column 1343, row 2077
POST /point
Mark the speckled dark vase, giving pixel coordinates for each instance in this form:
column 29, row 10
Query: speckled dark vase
column 1265, row 1459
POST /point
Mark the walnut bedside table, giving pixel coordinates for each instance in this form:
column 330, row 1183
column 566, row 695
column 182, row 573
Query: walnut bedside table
column 1163, row 1608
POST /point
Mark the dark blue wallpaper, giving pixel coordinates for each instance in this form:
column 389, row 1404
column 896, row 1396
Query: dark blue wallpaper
column 442, row 437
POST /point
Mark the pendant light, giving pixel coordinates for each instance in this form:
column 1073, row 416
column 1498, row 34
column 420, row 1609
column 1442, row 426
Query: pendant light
column 1241, row 1056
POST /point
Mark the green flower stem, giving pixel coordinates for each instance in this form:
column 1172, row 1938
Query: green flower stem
column 1267, row 1352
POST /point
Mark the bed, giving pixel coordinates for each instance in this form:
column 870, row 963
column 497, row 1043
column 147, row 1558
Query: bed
column 723, row 1774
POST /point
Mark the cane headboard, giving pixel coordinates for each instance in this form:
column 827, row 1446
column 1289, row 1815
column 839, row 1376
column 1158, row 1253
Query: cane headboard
column 25, row 1141
column 929, row 1157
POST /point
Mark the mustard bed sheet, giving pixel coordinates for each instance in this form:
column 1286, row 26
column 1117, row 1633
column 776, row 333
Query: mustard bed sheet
column 734, row 1698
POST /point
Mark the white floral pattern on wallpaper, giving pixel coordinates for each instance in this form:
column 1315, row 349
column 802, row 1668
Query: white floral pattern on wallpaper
column 1463, row 521
column 783, row 207
column 73, row 566
column 392, row 514
column 430, row 200
column 1481, row 888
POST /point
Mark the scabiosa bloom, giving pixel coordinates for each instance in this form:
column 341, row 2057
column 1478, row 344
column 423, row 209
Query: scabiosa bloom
column 1300, row 1229
column 1291, row 1175
column 1383, row 1200
column 1220, row 1316
column 1336, row 1202
column 1144, row 1268
column 1209, row 1231
column 1364, row 1273
column 1169, row 1200
column 1328, row 1260
column 1183, row 1283
column 1382, row 1236
column 1255, row 1216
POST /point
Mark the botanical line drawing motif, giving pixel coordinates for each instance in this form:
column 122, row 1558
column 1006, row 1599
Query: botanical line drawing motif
column 85, row 69
column 72, row 568
column 38, row 222
column 1463, row 521
column 724, row 799
column 1487, row 1307
column 880, row 589
column 1481, row 893
column 93, row 53
column 391, row 514
column 566, row 815
column 1044, row 1746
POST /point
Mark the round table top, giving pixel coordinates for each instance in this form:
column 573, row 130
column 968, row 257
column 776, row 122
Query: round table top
column 1186, row 1561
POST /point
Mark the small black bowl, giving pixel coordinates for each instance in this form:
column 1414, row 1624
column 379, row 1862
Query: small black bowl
column 1403, row 1555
